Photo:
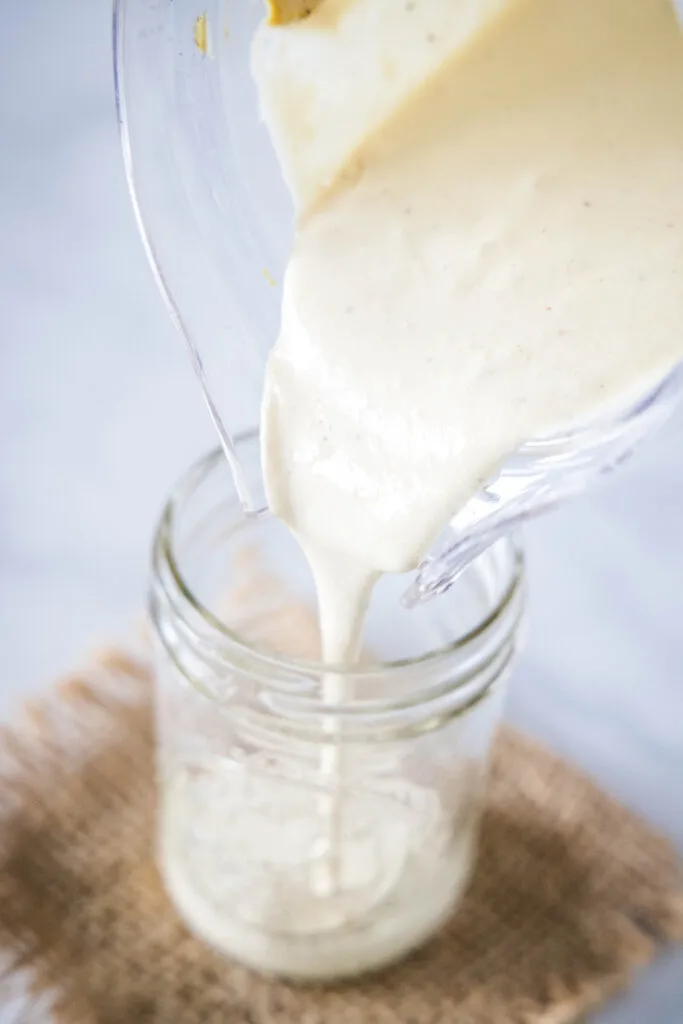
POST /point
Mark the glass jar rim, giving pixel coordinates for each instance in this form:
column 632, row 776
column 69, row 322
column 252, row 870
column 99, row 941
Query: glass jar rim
column 164, row 555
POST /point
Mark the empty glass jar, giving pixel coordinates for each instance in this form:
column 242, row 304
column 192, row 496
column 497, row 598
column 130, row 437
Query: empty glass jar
column 303, row 838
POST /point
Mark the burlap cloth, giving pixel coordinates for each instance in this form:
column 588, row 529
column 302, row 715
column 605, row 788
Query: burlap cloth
column 571, row 893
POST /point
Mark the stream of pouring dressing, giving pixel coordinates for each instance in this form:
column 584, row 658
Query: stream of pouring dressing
column 503, row 255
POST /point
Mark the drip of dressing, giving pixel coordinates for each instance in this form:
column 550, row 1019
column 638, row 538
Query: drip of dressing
column 500, row 256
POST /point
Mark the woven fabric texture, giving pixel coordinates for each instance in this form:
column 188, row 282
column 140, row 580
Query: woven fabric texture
column 571, row 893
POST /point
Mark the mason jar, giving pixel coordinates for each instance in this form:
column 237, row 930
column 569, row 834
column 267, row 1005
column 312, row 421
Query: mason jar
column 305, row 838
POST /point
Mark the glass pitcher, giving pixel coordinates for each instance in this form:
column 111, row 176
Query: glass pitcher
column 217, row 221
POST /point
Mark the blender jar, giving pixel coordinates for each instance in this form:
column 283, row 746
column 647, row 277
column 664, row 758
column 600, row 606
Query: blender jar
column 217, row 221
column 272, row 856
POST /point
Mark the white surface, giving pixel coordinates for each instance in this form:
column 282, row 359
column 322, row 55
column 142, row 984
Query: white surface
column 99, row 414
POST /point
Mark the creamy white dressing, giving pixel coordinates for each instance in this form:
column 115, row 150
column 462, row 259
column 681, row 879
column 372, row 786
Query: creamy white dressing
column 501, row 253
column 489, row 246
column 502, row 256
